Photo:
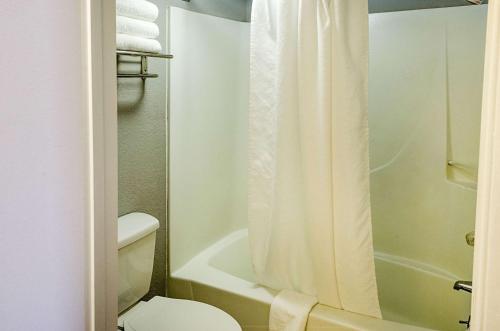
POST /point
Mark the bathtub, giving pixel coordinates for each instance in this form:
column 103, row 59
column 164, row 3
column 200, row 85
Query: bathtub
column 222, row 276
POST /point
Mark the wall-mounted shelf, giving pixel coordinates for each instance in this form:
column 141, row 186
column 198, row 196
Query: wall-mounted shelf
column 458, row 165
column 462, row 174
column 144, row 63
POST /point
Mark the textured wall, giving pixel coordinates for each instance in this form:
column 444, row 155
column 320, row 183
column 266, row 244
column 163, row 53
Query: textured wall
column 142, row 133
column 142, row 149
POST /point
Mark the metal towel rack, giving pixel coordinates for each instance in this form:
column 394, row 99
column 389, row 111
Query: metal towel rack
column 144, row 63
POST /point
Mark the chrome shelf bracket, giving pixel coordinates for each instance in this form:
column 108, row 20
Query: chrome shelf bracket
column 143, row 74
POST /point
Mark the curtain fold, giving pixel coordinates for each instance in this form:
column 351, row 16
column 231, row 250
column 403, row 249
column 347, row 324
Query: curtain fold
column 309, row 204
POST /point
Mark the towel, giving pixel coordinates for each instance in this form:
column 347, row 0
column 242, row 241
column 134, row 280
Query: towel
column 139, row 9
column 290, row 311
column 133, row 43
column 135, row 27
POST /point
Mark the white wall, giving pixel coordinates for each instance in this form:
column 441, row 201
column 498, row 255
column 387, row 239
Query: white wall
column 208, row 128
column 424, row 109
column 425, row 87
column 43, row 167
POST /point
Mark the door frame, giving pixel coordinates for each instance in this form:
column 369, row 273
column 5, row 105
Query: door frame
column 98, row 35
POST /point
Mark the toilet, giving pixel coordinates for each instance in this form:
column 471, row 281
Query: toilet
column 136, row 245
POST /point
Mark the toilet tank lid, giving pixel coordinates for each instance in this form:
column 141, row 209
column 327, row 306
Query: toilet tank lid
column 134, row 226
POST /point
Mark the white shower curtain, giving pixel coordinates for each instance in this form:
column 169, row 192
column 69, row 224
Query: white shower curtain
column 309, row 204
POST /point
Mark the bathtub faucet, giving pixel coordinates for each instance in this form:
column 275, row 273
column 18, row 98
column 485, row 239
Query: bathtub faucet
column 463, row 285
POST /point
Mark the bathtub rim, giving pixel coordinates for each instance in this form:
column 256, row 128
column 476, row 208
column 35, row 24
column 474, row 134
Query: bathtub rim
column 199, row 270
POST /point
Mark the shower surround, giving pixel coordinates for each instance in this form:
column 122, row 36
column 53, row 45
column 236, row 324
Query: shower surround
column 424, row 102
column 426, row 71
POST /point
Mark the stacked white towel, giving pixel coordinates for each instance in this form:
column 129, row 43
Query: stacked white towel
column 139, row 9
column 138, row 44
column 135, row 27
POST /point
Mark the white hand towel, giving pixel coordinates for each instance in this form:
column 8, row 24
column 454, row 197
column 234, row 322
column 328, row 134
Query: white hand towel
column 135, row 27
column 290, row 311
column 139, row 9
column 133, row 43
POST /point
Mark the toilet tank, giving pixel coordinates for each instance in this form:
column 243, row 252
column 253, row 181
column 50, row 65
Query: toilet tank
column 136, row 247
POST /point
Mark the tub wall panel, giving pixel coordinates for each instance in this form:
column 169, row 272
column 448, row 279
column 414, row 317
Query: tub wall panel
column 420, row 298
column 208, row 121
column 424, row 109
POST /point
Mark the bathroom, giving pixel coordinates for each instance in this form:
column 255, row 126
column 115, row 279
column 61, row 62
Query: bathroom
column 424, row 151
column 254, row 165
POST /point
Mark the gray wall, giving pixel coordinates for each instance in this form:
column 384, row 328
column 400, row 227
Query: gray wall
column 142, row 149
column 378, row 6
column 142, row 133
column 232, row 9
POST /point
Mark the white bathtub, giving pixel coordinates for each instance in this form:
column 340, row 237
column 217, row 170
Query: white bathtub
column 222, row 275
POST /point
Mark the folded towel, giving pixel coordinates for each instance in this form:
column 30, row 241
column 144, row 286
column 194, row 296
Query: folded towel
column 290, row 311
column 132, row 43
column 135, row 27
column 139, row 9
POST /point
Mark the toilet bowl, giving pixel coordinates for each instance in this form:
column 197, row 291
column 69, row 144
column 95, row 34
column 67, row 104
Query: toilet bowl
column 136, row 245
column 165, row 314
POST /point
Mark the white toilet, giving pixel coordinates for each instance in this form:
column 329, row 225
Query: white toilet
column 136, row 245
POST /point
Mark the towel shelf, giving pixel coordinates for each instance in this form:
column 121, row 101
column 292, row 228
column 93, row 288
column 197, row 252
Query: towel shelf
column 137, row 76
column 134, row 53
column 144, row 63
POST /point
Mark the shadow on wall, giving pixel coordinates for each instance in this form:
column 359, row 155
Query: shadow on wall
column 131, row 91
column 238, row 10
column 131, row 96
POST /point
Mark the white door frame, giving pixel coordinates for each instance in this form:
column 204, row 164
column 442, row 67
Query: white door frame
column 486, row 278
column 98, row 27
column 98, row 32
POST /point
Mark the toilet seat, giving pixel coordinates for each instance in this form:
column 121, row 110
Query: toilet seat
column 166, row 314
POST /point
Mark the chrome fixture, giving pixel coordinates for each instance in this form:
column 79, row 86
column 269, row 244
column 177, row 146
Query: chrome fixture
column 467, row 322
column 469, row 238
column 144, row 63
column 463, row 285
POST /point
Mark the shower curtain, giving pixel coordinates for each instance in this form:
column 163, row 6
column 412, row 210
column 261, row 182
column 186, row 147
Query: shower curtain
column 309, row 204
